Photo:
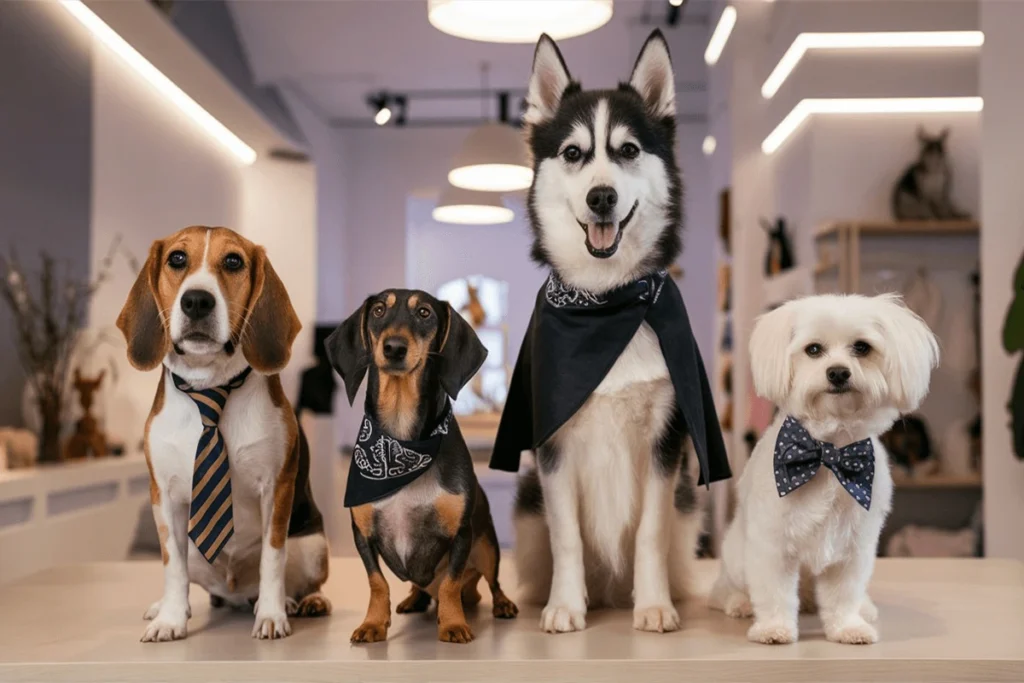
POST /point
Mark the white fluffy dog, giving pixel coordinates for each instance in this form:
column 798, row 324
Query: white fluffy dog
column 841, row 369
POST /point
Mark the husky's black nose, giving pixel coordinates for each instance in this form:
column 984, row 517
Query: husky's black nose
column 602, row 199
column 838, row 375
column 197, row 303
column 395, row 349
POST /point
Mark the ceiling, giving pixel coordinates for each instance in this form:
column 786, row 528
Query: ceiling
column 333, row 54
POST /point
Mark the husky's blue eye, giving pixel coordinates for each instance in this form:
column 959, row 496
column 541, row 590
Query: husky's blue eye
column 629, row 151
column 572, row 153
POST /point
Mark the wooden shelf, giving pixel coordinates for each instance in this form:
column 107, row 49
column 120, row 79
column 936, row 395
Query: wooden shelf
column 939, row 481
column 901, row 228
column 823, row 269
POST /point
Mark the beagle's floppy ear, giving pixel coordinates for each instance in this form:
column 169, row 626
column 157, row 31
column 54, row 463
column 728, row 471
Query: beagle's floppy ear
column 461, row 352
column 140, row 321
column 271, row 325
column 348, row 351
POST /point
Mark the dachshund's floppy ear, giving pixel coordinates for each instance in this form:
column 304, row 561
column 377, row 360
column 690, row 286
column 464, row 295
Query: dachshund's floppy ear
column 272, row 325
column 462, row 353
column 348, row 351
column 140, row 321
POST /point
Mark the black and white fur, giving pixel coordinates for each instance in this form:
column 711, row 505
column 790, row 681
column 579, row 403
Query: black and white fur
column 923, row 192
column 610, row 507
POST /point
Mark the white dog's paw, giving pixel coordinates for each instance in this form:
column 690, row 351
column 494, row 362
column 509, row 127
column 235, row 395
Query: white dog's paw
column 869, row 611
column 738, row 606
column 657, row 618
column 562, row 619
column 162, row 628
column 773, row 632
column 856, row 631
column 271, row 625
column 154, row 610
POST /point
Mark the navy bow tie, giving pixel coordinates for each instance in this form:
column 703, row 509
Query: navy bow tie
column 798, row 455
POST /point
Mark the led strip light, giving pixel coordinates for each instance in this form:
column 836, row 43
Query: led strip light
column 862, row 41
column 869, row 105
column 720, row 36
column 157, row 79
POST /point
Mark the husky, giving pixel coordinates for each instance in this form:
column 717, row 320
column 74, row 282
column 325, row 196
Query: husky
column 607, row 511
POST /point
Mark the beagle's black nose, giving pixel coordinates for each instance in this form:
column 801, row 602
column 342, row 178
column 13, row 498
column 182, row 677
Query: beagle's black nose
column 395, row 349
column 197, row 303
column 602, row 199
column 838, row 375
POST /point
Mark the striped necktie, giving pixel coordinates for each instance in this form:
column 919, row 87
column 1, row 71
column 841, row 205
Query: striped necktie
column 210, row 522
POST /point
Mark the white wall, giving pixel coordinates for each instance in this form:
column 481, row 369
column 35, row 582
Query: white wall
column 1002, row 244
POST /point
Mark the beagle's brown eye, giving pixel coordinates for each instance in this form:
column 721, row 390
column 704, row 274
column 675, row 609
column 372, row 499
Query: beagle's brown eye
column 378, row 310
column 233, row 262
column 423, row 312
column 861, row 348
column 814, row 350
column 177, row 260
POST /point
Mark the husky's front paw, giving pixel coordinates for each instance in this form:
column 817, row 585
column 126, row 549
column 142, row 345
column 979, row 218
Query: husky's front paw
column 271, row 625
column 854, row 631
column 773, row 632
column 562, row 619
column 657, row 618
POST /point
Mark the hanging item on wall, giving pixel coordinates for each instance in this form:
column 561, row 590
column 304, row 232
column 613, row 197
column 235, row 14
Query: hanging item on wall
column 780, row 250
column 724, row 286
column 974, row 429
column 724, row 221
column 924, row 191
column 910, row 446
column 1013, row 342
column 88, row 439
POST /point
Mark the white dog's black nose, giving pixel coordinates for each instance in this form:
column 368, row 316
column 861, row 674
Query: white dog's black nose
column 838, row 375
column 602, row 199
column 197, row 303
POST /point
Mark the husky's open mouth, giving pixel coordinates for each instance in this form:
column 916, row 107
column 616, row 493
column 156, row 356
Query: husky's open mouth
column 603, row 238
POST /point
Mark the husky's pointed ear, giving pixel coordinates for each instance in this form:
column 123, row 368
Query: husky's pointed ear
column 548, row 82
column 348, row 351
column 653, row 78
column 462, row 353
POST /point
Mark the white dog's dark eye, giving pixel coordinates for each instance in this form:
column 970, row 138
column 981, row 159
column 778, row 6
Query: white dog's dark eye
column 861, row 348
column 572, row 153
column 629, row 151
column 814, row 350
column 177, row 260
column 233, row 262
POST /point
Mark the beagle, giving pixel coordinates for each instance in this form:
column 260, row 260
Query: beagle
column 413, row 495
column 228, row 464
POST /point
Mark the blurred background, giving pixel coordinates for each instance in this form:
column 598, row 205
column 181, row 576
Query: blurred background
column 376, row 143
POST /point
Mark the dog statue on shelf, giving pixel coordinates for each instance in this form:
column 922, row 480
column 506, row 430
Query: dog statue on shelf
column 923, row 192
column 88, row 439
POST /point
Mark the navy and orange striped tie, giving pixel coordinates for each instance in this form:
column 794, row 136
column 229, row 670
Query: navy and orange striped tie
column 210, row 522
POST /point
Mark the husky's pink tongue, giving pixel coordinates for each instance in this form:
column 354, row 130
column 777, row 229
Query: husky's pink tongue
column 602, row 235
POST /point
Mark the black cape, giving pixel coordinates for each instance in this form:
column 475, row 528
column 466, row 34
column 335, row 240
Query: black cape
column 572, row 342
column 382, row 464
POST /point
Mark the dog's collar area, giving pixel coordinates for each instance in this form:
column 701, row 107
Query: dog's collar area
column 798, row 456
column 234, row 383
column 562, row 295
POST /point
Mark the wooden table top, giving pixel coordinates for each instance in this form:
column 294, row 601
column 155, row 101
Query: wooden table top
column 949, row 620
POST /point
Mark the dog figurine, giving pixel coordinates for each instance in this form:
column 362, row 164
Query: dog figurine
column 228, row 463
column 609, row 382
column 924, row 190
column 413, row 495
column 88, row 437
column 817, row 488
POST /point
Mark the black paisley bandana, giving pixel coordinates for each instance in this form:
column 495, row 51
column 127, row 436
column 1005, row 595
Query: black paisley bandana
column 382, row 464
column 572, row 342
column 798, row 455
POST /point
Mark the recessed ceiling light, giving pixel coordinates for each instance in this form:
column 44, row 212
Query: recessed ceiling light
column 165, row 86
column 861, row 41
column 518, row 21
column 467, row 207
column 866, row 105
column 709, row 145
column 493, row 159
column 720, row 36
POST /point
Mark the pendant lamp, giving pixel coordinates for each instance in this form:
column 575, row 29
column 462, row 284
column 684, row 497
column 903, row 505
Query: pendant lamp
column 492, row 159
column 468, row 207
column 518, row 21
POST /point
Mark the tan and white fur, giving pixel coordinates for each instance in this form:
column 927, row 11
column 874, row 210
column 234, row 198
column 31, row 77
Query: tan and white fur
column 251, row 323
column 816, row 547
column 608, row 534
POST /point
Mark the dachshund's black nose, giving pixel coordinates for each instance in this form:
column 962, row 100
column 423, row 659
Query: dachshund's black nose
column 395, row 349
column 602, row 199
column 838, row 375
column 197, row 303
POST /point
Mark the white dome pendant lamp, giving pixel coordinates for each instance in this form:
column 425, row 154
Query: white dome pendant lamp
column 492, row 159
column 468, row 207
column 518, row 21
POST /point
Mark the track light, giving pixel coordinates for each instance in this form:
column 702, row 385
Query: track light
column 381, row 111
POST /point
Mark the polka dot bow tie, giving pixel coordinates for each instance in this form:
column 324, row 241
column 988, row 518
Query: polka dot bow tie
column 798, row 455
